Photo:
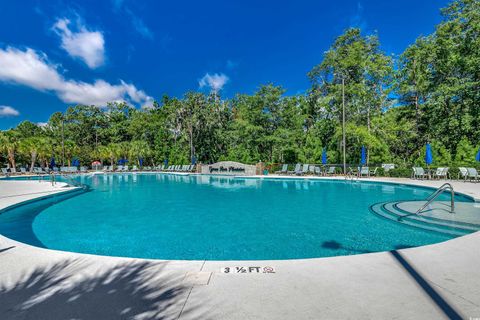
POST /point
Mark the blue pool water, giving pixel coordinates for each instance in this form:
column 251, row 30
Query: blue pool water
column 217, row 218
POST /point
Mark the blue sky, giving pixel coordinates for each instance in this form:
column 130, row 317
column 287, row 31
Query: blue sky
column 54, row 54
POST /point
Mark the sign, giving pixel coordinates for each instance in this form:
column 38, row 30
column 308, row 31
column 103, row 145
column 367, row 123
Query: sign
column 245, row 270
column 229, row 168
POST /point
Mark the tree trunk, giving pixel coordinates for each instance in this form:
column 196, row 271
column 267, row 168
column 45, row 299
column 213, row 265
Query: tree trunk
column 11, row 158
column 33, row 159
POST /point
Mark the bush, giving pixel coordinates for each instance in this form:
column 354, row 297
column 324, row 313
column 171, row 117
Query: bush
column 400, row 172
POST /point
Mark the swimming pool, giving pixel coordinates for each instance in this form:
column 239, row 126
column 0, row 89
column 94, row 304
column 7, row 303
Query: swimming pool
column 166, row 216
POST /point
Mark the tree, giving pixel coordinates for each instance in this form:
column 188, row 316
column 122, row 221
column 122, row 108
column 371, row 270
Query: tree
column 9, row 144
column 31, row 147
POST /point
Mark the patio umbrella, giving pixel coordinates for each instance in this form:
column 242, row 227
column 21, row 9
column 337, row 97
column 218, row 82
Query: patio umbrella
column 324, row 156
column 477, row 157
column 363, row 159
column 52, row 162
column 96, row 165
column 140, row 162
column 194, row 160
column 428, row 154
column 165, row 163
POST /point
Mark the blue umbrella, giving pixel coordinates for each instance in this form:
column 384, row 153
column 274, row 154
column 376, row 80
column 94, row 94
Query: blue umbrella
column 428, row 154
column 194, row 160
column 140, row 161
column 324, row 156
column 363, row 159
column 165, row 162
column 477, row 157
column 52, row 162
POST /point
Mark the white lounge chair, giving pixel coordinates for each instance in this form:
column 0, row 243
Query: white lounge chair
column 304, row 170
column 473, row 174
column 283, row 170
column 441, row 173
column 462, row 173
column 419, row 172
column 297, row 168
column 364, row 172
column 330, row 171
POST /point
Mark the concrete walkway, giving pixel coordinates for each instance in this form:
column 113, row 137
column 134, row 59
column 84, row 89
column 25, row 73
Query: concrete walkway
column 431, row 282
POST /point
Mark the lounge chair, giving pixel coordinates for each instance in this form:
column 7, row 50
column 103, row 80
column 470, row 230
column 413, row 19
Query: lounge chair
column 119, row 168
column 83, row 169
column 296, row 169
column 317, row 171
column 473, row 174
column 330, row 171
column 5, row 171
column 23, row 170
column 125, row 168
column 419, row 172
column 462, row 173
column 283, row 170
column 441, row 173
column 311, row 169
column 374, row 172
column 304, row 170
column 364, row 172
column 134, row 168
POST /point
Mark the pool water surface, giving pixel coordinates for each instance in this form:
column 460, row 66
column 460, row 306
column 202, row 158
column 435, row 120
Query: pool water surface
column 166, row 216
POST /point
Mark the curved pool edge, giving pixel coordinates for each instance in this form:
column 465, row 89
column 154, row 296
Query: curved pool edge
column 334, row 287
column 63, row 189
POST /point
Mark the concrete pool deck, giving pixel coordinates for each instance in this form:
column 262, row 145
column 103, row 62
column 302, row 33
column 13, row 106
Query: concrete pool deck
column 435, row 281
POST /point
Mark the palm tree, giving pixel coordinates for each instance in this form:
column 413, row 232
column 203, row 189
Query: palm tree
column 113, row 152
column 46, row 150
column 9, row 144
column 31, row 147
column 139, row 149
column 71, row 149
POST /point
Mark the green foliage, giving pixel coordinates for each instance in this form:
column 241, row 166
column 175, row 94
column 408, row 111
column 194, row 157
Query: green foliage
column 430, row 96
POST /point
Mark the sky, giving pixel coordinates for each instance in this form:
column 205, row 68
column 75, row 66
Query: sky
column 55, row 54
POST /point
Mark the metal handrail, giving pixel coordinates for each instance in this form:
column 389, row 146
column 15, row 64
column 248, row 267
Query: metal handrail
column 71, row 181
column 439, row 191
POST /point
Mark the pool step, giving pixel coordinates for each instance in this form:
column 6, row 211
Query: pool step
column 391, row 211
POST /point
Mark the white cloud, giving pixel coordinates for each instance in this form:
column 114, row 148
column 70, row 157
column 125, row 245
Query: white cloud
column 139, row 25
column 215, row 81
column 42, row 124
column 32, row 69
column 7, row 111
column 86, row 45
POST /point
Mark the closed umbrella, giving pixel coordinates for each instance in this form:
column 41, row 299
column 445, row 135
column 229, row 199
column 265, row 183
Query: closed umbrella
column 165, row 163
column 52, row 162
column 363, row 159
column 324, row 156
column 140, row 162
column 194, row 160
column 477, row 157
column 428, row 154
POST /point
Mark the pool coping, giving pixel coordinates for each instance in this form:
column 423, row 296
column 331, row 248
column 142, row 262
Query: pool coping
column 437, row 262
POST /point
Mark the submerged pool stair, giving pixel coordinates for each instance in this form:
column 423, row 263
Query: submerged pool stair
column 452, row 227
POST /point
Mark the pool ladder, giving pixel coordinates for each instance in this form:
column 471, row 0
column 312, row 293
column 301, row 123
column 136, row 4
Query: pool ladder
column 444, row 187
column 71, row 181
